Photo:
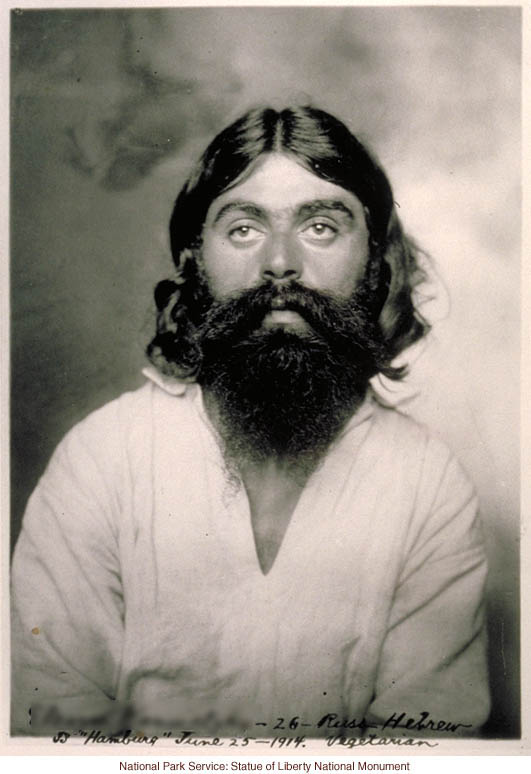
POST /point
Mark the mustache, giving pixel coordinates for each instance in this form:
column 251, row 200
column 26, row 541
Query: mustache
column 347, row 324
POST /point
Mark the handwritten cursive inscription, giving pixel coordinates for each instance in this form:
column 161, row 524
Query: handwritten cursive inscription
column 336, row 729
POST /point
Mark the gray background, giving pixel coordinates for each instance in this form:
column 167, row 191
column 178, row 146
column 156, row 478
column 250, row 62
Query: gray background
column 110, row 108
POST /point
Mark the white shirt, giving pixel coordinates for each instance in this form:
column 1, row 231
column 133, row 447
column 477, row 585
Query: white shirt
column 137, row 567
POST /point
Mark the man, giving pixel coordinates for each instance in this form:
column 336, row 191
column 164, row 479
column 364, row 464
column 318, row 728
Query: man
column 250, row 540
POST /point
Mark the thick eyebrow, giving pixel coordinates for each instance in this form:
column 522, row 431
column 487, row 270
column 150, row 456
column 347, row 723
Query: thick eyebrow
column 246, row 207
column 318, row 205
column 306, row 210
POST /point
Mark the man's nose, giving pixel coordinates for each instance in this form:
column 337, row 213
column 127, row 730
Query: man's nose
column 281, row 261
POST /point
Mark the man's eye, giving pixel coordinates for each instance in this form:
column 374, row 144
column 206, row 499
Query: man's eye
column 320, row 230
column 243, row 233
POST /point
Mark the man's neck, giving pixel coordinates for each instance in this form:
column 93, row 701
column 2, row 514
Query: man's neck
column 273, row 488
column 273, row 494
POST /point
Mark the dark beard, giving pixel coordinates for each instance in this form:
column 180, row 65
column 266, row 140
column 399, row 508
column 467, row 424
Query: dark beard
column 287, row 393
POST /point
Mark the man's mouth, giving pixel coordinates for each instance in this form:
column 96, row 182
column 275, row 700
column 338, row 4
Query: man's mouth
column 282, row 315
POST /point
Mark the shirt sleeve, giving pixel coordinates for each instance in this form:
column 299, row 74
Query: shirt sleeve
column 67, row 604
column 432, row 675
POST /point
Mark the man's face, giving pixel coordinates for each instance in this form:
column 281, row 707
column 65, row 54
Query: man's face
column 281, row 224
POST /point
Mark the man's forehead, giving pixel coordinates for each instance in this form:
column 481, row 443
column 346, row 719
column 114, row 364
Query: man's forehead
column 278, row 183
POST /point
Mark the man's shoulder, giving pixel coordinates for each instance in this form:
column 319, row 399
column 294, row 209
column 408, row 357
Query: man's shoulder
column 115, row 414
column 401, row 428
column 131, row 416
column 413, row 442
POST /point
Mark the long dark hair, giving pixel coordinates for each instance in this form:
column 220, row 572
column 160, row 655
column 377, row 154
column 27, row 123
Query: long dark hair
column 326, row 147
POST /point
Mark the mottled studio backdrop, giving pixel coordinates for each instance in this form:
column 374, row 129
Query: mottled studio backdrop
column 110, row 107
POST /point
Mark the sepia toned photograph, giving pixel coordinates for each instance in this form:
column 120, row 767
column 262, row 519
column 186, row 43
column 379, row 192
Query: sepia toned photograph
column 265, row 348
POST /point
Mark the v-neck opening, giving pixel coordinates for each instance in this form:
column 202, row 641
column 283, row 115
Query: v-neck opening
column 315, row 498
column 282, row 540
column 309, row 503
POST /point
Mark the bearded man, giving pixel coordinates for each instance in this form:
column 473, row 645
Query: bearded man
column 251, row 540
